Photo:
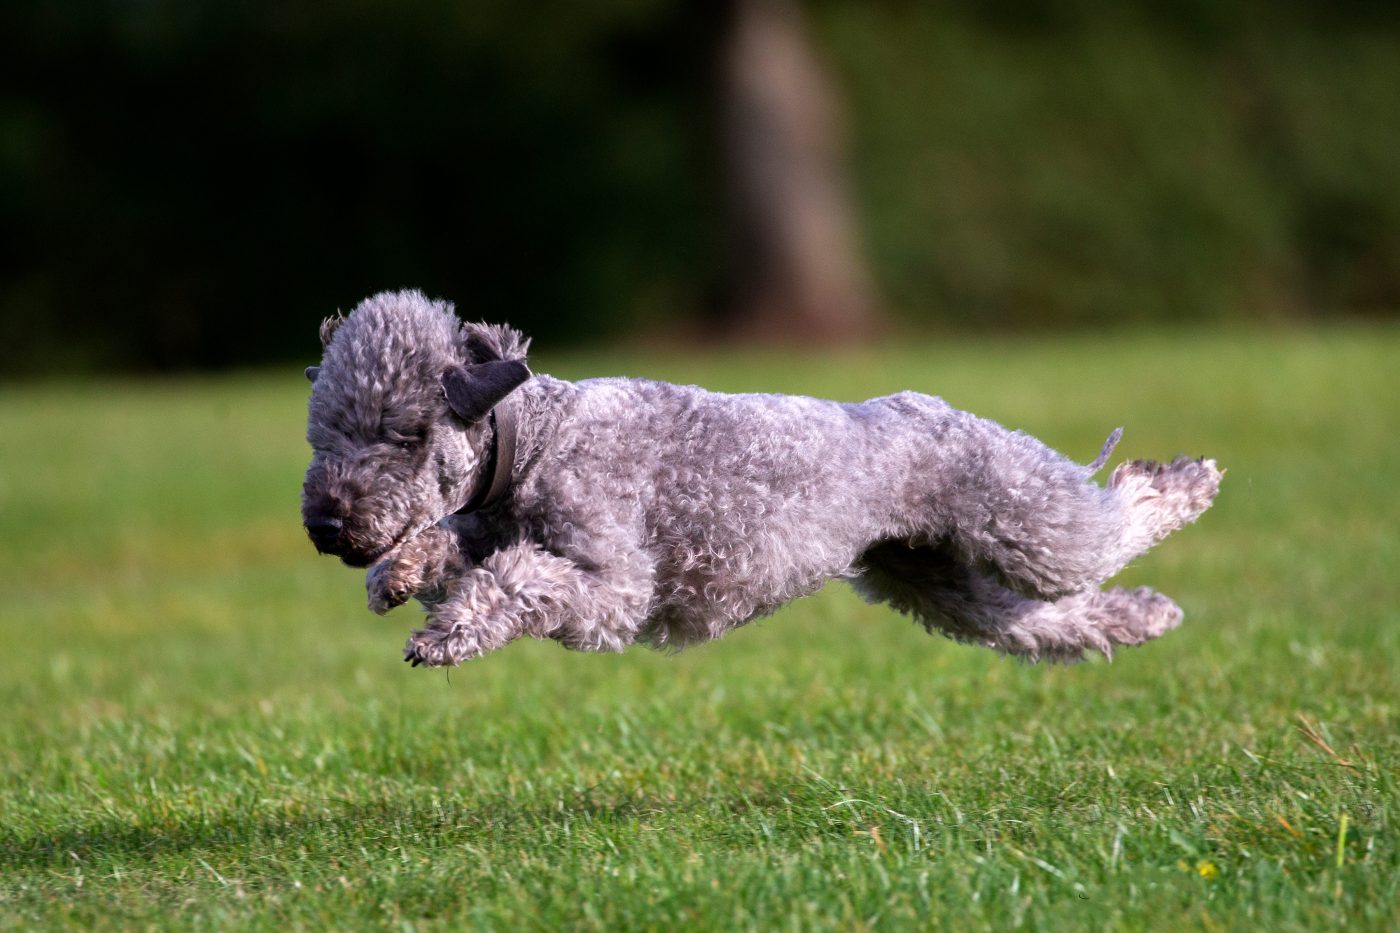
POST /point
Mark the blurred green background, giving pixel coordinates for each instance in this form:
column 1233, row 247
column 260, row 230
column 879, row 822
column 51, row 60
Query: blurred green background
column 191, row 183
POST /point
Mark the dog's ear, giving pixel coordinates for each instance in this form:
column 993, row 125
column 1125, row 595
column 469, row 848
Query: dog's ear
column 484, row 343
column 312, row 372
column 474, row 390
column 478, row 350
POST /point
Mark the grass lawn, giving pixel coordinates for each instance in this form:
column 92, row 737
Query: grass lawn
column 204, row 726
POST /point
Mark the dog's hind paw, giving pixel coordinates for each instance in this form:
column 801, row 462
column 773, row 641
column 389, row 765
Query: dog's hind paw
column 1131, row 617
column 1160, row 498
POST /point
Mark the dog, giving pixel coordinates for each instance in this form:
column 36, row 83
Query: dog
column 614, row 511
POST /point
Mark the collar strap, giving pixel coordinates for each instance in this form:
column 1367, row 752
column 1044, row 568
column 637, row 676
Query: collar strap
column 494, row 481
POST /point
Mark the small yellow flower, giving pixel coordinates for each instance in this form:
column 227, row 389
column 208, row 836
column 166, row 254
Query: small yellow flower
column 1206, row 869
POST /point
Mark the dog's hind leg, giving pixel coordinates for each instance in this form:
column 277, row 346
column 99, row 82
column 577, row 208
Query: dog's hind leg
column 944, row 595
column 1010, row 506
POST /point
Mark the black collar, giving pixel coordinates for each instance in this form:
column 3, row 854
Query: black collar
column 494, row 480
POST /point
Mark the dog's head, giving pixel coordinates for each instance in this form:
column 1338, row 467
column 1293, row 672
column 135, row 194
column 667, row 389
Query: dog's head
column 398, row 420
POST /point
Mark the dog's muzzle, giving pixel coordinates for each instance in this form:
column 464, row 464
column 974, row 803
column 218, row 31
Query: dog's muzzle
column 329, row 535
column 326, row 532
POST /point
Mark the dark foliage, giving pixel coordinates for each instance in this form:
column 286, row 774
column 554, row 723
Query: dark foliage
column 195, row 183
column 188, row 183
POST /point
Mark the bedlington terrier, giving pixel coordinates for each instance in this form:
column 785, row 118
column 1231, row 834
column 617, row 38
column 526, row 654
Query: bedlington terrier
column 611, row 511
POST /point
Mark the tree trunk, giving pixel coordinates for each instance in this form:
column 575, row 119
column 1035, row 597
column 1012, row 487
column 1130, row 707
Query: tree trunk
column 798, row 274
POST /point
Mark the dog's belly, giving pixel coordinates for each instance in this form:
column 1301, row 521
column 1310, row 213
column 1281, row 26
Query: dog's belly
column 725, row 567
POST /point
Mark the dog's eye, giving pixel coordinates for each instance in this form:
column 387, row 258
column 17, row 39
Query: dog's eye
column 404, row 441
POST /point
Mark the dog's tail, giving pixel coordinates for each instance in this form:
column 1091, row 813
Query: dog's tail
column 1107, row 451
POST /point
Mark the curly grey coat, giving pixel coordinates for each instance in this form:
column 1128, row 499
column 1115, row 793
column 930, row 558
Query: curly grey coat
column 639, row 511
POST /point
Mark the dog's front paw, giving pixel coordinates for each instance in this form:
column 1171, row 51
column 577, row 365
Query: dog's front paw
column 441, row 647
column 391, row 582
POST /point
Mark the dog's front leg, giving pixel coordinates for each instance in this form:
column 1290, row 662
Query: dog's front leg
column 420, row 567
column 525, row 590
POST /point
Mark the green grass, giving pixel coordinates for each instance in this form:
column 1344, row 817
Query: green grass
column 204, row 726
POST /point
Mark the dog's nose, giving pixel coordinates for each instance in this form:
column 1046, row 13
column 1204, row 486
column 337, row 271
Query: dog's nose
column 325, row 532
